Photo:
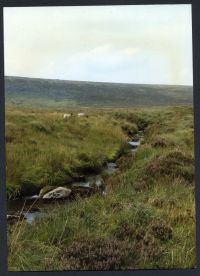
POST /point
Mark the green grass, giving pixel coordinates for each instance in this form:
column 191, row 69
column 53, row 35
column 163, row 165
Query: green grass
column 44, row 149
column 147, row 218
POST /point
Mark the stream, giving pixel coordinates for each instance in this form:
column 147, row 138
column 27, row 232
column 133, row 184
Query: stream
column 33, row 207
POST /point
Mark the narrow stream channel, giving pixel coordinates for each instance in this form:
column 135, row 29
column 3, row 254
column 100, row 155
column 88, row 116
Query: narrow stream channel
column 33, row 207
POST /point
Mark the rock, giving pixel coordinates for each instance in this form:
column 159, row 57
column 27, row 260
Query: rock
column 111, row 168
column 111, row 165
column 58, row 193
column 45, row 190
column 134, row 143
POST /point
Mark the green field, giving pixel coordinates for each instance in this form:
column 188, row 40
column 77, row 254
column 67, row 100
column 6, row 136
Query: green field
column 147, row 218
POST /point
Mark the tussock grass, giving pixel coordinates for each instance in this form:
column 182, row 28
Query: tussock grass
column 147, row 218
column 43, row 149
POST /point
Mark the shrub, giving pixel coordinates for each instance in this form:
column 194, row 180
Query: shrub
column 125, row 231
column 158, row 202
column 161, row 230
column 175, row 164
column 159, row 143
column 151, row 249
column 98, row 254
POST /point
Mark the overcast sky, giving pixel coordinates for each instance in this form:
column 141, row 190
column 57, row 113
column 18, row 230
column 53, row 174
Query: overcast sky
column 131, row 44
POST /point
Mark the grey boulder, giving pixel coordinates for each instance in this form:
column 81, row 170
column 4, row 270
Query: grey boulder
column 57, row 193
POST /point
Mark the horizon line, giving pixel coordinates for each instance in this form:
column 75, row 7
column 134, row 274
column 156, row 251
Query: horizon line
column 8, row 76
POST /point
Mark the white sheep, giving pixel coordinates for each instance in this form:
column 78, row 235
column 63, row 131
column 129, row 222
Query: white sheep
column 81, row 114
column 67, row 115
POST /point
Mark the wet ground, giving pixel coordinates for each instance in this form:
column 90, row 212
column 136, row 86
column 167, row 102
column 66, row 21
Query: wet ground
column 33, row 207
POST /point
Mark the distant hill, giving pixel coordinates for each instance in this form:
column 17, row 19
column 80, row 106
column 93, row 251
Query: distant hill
column 41, row 93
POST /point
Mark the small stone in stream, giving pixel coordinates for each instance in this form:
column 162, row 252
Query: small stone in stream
column 58, row 193
column 111, row 165
column 134, row 143
column 111, row 168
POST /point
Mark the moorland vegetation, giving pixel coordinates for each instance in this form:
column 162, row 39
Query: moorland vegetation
column 147, row 217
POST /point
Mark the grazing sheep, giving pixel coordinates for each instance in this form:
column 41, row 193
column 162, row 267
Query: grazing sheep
column 67, row 115
column 81, row 114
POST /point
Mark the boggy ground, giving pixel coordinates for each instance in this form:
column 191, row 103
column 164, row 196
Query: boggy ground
column 147, row 218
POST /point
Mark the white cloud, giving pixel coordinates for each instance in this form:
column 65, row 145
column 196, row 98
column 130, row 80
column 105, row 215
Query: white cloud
column 129, row 51
column 102, row 49
column 149, row 44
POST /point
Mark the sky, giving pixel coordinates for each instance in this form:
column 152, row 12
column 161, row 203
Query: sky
column 149, row 44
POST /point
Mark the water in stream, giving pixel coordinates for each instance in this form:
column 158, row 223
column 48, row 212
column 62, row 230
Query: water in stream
column 33, row 207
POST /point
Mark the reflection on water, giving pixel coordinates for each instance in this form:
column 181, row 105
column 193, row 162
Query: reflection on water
column 30, row 217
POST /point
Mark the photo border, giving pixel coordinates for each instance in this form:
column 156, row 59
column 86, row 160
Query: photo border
column 195, row 6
